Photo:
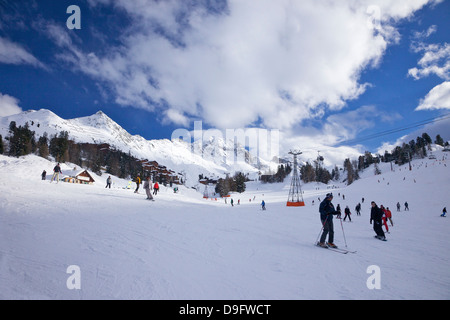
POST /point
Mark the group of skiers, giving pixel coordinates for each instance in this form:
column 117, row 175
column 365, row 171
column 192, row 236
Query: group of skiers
column 56, row 173
column 378, row 216
column 399, row 206
column 148, row 186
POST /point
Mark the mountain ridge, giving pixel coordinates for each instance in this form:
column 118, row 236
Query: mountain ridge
column 178, row 155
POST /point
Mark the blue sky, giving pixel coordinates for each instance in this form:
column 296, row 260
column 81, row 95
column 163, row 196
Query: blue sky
column 323, row 73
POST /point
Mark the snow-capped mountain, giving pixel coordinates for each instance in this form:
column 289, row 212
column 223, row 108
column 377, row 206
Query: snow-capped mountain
column 207, row 157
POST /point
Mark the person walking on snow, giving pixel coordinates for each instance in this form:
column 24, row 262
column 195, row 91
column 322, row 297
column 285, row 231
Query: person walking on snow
column 56, row 172
column 389, row 216
column 156, row 188
column 138, row 182
column 347, row 213
column 108, row 182
column 327, row 211
column 358, row 209
column 376, row 216
column 147, row 185
column 263, row 205
column 398, row 206
column 384, row 218
column 44, row 175
column 406, row 206
column 444, row 212
column 339, row 212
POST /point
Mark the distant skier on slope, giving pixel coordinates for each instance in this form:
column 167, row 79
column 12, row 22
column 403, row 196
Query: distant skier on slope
column 147, row 184
column 108, row 182
column 384, row 218
column 376, row 216
column 56, row 172
column 358, row 209
column 263, row 205
column 156, row 188
column 327, row 211
column 347, row 213
column 339, row 212
column 444, row 212
column 138, row 182
column 389, row 216
column 44, row 175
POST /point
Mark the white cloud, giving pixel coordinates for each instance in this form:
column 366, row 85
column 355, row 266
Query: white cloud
column 437, row 98
column 435, row 60
column 13, row 53
column 172, row 115
column 274, row 64
column 8, row 105
column 425, row 34
column 267, row 62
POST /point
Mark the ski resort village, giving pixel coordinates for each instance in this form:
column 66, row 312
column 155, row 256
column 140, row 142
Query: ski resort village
column 84, row 232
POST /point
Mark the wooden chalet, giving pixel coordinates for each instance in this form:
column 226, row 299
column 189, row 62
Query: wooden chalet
column 82, row 177
column 159, row 172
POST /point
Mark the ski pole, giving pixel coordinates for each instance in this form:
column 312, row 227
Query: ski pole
column 342, row 226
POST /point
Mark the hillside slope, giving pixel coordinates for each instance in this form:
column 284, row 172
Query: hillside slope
column 184, row 247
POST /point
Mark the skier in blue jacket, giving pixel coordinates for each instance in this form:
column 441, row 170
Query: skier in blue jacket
column 327, row 211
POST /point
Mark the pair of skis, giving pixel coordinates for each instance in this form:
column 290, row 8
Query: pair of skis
column 338, row 250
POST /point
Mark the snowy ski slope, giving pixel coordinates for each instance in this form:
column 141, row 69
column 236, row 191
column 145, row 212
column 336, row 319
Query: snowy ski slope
column 185, row 247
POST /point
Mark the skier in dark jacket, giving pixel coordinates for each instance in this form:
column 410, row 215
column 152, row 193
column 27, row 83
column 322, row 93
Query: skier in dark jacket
column 376, row 215
column 56, row 172
column 339, row 212
column 108, row 182
column 347, row 213
column 327, row 211
column 358, row 209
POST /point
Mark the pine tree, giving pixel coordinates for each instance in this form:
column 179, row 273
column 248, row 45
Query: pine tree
column 335, row 174
column 377, row 170
column 21, row 140
column 427, row 138
column 368, row 159
column 307, row 173
column 439, row 140
column 351, row 173
column 240, row 180
column 59, row 146
column 223, row 187
column 42, row 146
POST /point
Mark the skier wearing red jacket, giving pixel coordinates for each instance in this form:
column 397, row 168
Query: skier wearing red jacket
column 383, row 209
column 389, row 216
column 155, row 188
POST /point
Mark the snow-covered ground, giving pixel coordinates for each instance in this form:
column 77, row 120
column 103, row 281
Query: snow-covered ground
column 185, row 247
